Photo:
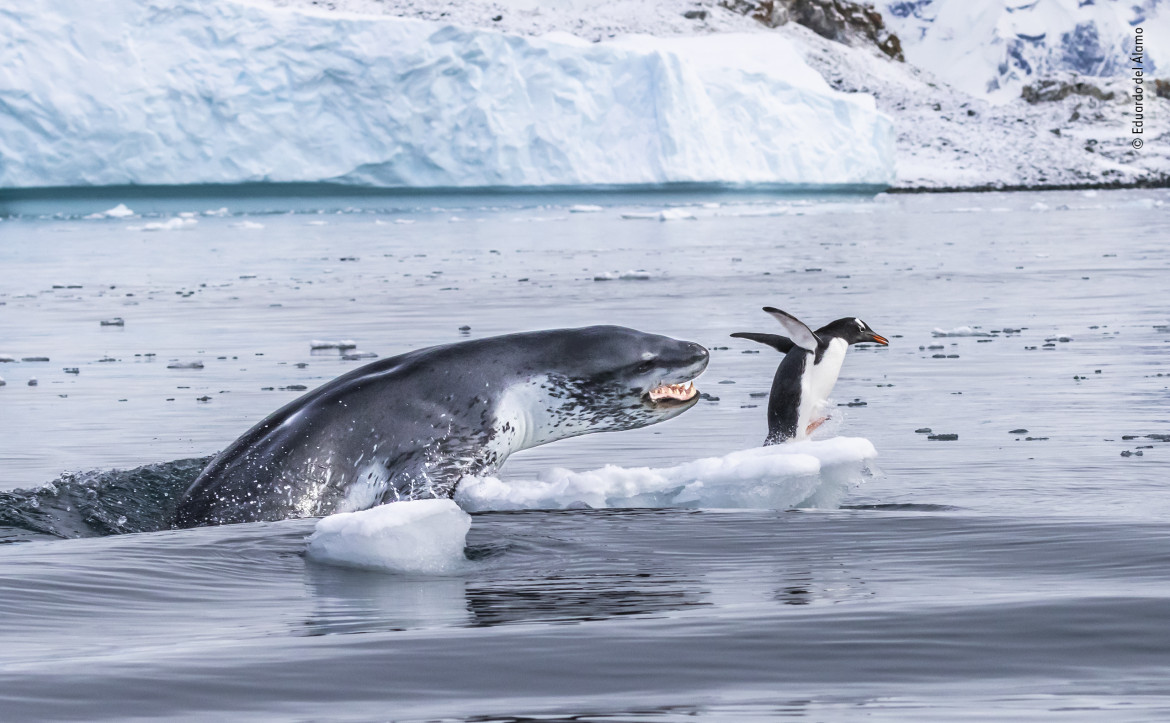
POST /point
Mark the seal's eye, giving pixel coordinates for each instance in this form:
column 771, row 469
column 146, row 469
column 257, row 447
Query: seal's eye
column 645, row 367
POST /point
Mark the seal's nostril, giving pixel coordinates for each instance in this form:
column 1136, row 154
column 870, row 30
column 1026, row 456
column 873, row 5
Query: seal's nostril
column 698, row 351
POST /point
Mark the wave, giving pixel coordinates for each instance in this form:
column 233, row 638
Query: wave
column 97, row 503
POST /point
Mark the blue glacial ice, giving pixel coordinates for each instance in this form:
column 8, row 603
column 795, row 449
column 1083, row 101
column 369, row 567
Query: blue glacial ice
column 181, row 92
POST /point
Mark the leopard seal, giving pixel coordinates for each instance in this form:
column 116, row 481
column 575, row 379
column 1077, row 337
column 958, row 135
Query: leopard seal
column 411, row 426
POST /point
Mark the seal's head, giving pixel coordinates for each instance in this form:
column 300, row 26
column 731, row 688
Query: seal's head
column 606, row 378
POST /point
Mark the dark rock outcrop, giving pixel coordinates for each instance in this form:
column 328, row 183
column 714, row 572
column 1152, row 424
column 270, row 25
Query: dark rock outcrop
column 846, row 22
column 1046, row 90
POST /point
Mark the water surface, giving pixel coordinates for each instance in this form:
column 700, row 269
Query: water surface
column 1020, row 575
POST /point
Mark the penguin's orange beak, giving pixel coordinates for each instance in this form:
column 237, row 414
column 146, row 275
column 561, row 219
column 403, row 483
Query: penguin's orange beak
column 879, row 339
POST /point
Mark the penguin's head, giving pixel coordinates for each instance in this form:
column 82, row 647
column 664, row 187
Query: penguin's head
column 853, row 331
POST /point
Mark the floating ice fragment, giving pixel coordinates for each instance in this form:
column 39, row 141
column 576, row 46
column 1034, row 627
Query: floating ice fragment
column 354, row 356
column 959, row 331
column 340, row 344
column 216, row 212
column 251, row 225
column 638, row 275
column 173, row 224
column 116, row 321
column 585, row 208
column 185, row 365
column 676, row 214
column 419, row 536
column 7, row 358
column 1038, row 206
column 119, row 211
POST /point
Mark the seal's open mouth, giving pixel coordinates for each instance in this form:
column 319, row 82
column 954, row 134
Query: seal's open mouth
column 669, row 394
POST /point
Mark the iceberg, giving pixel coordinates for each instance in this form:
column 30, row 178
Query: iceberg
column 183, row 92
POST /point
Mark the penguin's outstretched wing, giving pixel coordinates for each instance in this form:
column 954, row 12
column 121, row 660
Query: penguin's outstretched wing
column 781, row 344
column 800, row 334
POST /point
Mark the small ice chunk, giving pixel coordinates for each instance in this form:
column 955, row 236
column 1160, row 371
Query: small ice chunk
column 420, row 536
column 185, row 365
column 173, row 224
column 675, row 214
column 585, row 208
column 339, row 344
column 116, row 321
column 251, row 225
column 119, row 211
column 7, row 358
column 1038, row 206
column 959, row 331
column 353, row 356
column 2, row 382
column 632, row 275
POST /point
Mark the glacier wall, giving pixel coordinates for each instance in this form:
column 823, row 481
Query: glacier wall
column 215, row 91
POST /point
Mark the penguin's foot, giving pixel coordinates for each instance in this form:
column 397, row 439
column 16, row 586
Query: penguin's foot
column 813, row 425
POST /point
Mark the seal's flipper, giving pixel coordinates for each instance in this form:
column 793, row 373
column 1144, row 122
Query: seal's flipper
column 800, row 334
column 781, row 344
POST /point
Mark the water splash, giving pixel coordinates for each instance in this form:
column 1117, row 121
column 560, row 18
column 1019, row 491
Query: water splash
column 91, row 504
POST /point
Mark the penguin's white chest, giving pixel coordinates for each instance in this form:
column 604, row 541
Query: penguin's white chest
column 817, row 384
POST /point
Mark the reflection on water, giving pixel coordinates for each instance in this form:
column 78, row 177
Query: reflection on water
column 360, row 601
column 563, row 568
column 565, row 599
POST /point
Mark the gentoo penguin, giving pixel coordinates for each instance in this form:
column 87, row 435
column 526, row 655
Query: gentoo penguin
column 804, row 379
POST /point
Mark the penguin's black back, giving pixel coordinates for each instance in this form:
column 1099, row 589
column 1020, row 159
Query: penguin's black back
column 784, row 400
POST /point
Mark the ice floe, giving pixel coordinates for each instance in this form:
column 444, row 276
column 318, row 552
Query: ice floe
column 803, row 474
column 419, row 536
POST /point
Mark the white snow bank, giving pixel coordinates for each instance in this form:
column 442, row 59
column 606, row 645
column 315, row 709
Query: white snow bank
column 800, row 474
column 179, row 91
column 418, row 536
